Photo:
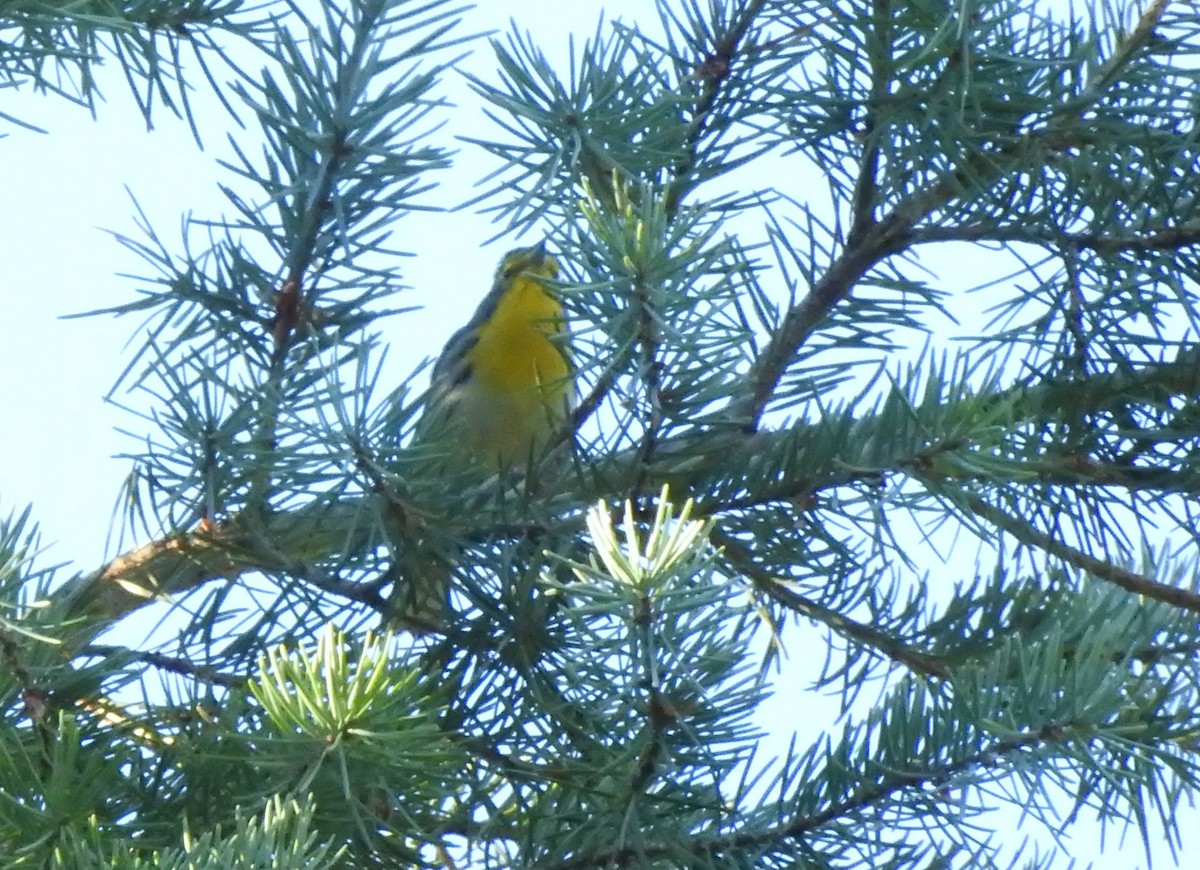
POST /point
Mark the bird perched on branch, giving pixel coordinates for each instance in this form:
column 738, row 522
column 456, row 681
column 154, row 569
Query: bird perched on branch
column 503, row 384
column 502, row 387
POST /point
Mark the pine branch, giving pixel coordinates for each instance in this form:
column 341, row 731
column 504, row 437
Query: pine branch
column 925, row 784
column 894, row 233
column 866, row 188
column 57, row 48
column 713, row 72
column 171, row 664
column 174, row 565
column 1145, row 241
column 1127, row 580
column 915, row 660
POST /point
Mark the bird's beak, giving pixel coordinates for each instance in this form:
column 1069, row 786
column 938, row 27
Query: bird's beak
column 538, row 253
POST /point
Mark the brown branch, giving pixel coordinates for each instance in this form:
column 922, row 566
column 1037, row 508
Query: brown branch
column 590, row 403
column 803, row 318
column 712, row 72
column 580, row 414
column 1165, row 239
column 656, row 718
column 507, row 763
column 181, row 562
column 1072, row 471
column 1138, row 584
column 173, row 664
column 1139, row 38
column 741, row 559
column 866, row 187
column 185, row 561
column 1071, row 398
column 287, row 313
column 894, row 233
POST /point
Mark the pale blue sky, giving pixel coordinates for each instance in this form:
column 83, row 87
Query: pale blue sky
column 61, row 436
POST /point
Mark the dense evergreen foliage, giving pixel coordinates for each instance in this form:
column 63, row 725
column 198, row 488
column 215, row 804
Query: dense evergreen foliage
column 801, row 436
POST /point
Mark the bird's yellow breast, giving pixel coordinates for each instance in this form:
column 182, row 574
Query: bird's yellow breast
column 515, row 350
column 520, row 386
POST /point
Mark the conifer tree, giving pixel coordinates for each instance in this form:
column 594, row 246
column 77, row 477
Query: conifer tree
column 799, row 437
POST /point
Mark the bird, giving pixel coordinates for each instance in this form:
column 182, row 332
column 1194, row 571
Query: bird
column 504, row 382
column 500, row 390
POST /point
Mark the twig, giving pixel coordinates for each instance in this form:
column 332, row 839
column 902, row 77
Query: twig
column 1127, row 580
column 920, row 662
column 1165, row 239
column 175, row 665
column 713, row 72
